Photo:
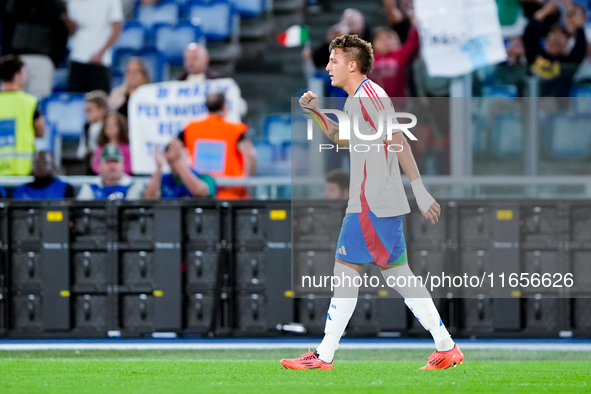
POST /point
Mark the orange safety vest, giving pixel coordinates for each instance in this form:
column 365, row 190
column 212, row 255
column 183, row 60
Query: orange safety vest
column 213, row 146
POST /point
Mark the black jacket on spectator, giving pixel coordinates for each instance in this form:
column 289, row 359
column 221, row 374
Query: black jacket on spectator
column 321, row 55
column 34, row 27
column 402, row 28
column 556, row 71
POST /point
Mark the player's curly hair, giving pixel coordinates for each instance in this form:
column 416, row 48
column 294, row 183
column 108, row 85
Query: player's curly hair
column 355, row 49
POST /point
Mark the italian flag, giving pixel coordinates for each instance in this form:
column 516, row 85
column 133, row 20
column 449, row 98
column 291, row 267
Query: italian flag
column 294, row 36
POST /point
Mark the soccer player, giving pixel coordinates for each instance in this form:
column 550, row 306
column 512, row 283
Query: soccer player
column 372, row 228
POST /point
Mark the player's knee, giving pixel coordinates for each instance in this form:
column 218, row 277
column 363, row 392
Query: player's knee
column 345, row 281
column 405, row 282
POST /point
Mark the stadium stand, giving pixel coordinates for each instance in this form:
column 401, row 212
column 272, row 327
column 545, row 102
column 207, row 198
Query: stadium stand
column 241, row 33
column 220, row 24
column 571, row 137
column 167, row 11
column 499, row 91
column 581, row 101
column 133, row 36
column 156, row 61
column 64, row 114
column 173, row 40
column 60, row 80
column 256, row 19
column 507, row 136
column 249, row 8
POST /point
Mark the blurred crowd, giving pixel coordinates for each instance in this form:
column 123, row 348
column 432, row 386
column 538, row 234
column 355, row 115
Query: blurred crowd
column 546, row 38
column 543, row 38
column 35, row 36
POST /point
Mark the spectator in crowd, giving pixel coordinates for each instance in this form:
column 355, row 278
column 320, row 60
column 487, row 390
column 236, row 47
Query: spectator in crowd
column 399, row 17
column 98, row 27
column 219, row 147
column 96, row 111
column 35, row 30
column 136, row 75
column 20, row 119
column 513, row 71
column 111, row 183
column 554, row 62
column 391, row 60
column 352, row 22
column 46, row 185
column 337, row 184
column 182, row 181
column 196, row 64
column 196, row 69
column 113, row 133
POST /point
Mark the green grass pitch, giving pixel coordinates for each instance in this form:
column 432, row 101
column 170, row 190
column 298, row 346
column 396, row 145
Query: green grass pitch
column 259, row 371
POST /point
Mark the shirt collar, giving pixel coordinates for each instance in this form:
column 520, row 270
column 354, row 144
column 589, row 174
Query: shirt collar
column 360, row 85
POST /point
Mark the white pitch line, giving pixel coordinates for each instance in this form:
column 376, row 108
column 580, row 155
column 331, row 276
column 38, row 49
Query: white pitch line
column 585, row 347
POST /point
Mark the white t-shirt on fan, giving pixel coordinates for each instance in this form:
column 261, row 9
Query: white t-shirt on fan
column 94, row 19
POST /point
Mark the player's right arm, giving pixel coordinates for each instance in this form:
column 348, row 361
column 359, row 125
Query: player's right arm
column 430, row 208
column 330, row 128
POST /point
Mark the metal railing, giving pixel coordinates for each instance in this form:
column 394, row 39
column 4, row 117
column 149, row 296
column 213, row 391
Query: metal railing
column 269, row 187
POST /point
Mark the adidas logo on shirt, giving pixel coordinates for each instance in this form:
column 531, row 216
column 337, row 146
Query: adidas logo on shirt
column 342, row 250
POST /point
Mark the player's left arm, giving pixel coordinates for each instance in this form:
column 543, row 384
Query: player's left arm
column 427, row 205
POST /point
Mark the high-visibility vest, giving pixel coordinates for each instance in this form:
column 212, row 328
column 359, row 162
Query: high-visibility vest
column 17, row 135
column 213, row 146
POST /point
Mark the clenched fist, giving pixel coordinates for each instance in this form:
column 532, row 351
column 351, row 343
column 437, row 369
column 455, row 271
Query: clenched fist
column 309, row 101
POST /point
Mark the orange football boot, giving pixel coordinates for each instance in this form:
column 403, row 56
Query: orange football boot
column 309, row 360
column 444, row 360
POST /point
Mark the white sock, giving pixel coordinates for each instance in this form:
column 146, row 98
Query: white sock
column 342, row 306
column 418, row 299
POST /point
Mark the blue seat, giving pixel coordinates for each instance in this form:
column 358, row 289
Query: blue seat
column 60, row 80
column 571, row 137
column 508, row 136
column 499, row 91
column 172, row 40
column 277, row 129
column 215, row 18
column 116, row 78
column 249, row 8
column 65, row 112
column 120, row 58
column 48, row 141
column 265, row 158
column 133, row 36
column 297, row 155
column 167, row 11
column 155, row 60
column 581, row 99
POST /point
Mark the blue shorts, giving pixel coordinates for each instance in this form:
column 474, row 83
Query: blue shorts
column 366, row 238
